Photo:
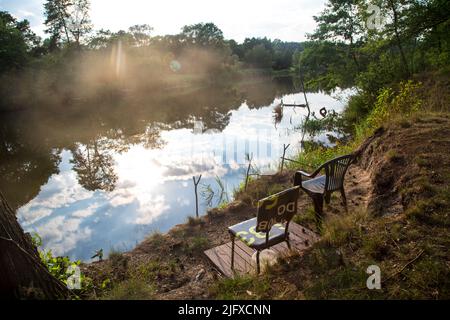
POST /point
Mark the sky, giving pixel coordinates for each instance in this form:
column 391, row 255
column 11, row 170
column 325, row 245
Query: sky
column 287, row 20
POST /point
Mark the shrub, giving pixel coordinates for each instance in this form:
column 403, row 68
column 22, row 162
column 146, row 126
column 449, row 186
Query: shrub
column 390, row 104
column 132, row 289
column 242, row 287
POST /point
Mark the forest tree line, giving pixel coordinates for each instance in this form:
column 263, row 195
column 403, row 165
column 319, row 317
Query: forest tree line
column 349, row 48
column 371, row 45
column 69, row 28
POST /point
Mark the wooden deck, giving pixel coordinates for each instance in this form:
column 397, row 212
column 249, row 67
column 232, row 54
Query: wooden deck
column 300, row 239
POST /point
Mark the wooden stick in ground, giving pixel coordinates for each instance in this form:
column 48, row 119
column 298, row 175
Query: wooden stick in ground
column 285, row 147
column 196, row 182
column 247, row 175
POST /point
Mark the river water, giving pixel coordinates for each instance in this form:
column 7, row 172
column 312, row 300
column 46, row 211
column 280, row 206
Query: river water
column 106, row 177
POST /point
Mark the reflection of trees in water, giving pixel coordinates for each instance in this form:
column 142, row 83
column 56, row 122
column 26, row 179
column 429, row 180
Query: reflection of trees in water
column 94, row 163
column 263, row 93
column 24, row 164
column 120, row 140
column 30, row 144
column 94, row 166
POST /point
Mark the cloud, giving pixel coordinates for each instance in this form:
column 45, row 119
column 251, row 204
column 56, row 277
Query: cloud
column 25, row 13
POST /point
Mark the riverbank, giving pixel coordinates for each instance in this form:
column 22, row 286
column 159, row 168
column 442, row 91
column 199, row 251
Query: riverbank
column 398, row 197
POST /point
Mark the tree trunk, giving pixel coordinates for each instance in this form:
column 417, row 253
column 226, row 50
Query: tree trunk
column 397, row 37
column 22, row 274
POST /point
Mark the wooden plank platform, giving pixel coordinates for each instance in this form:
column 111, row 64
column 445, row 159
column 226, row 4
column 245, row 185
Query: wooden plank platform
column 300, row 239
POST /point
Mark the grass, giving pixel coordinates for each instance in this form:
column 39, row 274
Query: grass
column 242, row 288
column 407, row 247
column 257, row 189
column 338, row 230
column 193, row 221
column 306, row 218
column 196, row 244
column 156, row 238
column 132, row 289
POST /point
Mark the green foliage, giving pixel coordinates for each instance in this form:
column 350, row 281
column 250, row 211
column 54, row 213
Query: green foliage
column 357, row 109
column 307, row 218
column 264, row 53
column 242, row 287
column 345, row 52
column 390, row 104
column 15, row 40
column 325, row 65
column 333, row 122
column 340, row 230
column 219, row 194
column 203, row 34
column 61, row 267
column 196, row 245
column 131, row 289
column 259, row 57
column 311, row 159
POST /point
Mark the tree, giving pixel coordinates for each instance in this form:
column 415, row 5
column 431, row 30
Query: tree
column 16, row 40
column 340, row 22
column 141, row 34
column 326, row 65
column 100, row 40
column 395, row 8
column 79, row 23
column 67, row 18
column 23, row 275
column 57, row 15
column 203, row 34
column 417, row 25
column 259, row 56
column 283, row 53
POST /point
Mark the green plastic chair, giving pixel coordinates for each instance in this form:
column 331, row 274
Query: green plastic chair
column 320, row 188
column 271, row 225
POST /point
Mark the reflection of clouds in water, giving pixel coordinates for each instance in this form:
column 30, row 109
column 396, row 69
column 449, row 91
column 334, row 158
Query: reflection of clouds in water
column 32, row 213
column 183, row 170
column 121, row 197
column 234, row 165
column 183, row 202
column 84, row 213
column 62, row 235
column 62, row 190
column 151, row 210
